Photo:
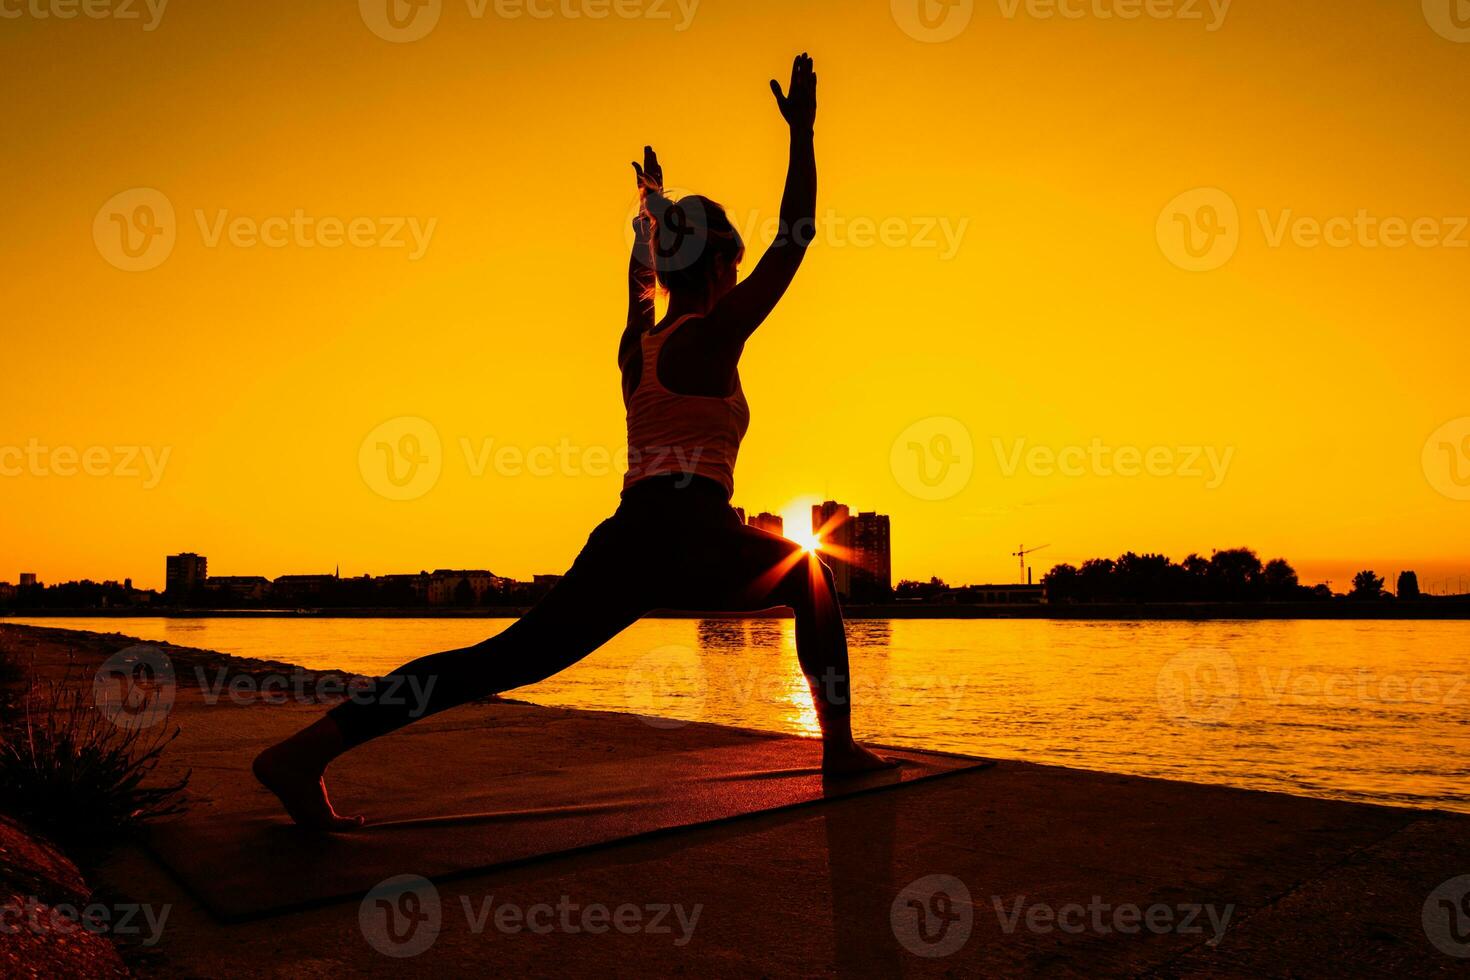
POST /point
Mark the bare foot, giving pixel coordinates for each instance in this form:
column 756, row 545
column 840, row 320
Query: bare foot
column 852, row 759
column 301, row 791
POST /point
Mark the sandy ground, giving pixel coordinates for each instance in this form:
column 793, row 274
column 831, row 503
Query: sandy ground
column 1019, row 869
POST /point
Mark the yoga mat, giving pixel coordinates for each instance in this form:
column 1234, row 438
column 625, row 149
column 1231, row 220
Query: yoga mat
column 241, row 858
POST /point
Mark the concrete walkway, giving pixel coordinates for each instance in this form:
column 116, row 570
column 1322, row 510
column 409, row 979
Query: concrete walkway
column 1019, row 869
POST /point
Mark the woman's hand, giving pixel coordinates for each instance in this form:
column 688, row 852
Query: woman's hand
column 650, row 175
column 799, row 105
column 650, row 180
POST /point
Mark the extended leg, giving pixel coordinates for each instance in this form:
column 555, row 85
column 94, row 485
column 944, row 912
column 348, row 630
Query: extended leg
column 582, row 612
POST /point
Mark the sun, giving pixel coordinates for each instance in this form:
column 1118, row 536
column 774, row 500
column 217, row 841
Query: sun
column 807, row 540
column 797, row 520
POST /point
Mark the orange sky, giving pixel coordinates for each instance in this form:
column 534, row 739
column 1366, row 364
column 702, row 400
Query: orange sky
column 995, row 254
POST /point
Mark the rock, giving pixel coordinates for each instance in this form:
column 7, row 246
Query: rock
column 41, row 893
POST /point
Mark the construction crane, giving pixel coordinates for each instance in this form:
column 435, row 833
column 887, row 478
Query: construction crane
column 1021, row 554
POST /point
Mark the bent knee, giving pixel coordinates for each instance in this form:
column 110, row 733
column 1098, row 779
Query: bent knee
column 809, row 582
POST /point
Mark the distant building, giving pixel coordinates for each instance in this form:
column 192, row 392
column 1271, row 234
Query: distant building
column 185, row 573
column 448, row 587
column 769, row 522
column 871, row 559
column 251, row 587
column 28, row 580
column 994, row 595
column 410, row 588
column 7, row 593
column 293, row 588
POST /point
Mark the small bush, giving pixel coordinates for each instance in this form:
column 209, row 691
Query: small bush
column 70, row 773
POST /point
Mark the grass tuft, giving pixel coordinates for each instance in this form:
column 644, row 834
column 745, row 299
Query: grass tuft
column 70, row 773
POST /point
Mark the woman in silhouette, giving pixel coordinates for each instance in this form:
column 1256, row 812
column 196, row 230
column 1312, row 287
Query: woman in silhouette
column 674, row 542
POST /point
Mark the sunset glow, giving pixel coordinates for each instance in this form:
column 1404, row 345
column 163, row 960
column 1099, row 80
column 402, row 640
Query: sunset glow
column 992, row 250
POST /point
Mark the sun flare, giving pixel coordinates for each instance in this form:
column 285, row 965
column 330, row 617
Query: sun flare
column 807, row 540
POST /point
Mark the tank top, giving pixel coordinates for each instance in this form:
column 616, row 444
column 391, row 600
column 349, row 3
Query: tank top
column 670, row 433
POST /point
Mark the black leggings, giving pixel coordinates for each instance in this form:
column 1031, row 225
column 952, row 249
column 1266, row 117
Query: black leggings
column 667, row 547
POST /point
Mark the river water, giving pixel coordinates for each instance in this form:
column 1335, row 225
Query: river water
column 1362, row 710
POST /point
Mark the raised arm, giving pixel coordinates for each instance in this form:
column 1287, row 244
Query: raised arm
column 641, row 276
column 747, row 305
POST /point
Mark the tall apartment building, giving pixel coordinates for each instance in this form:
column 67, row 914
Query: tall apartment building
column 872, row 558
column 184, row 573
column 830, row 522
column 858, row 549
column 769, row 522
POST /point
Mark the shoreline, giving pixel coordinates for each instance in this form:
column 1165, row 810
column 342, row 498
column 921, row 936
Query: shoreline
column 1423, row 609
